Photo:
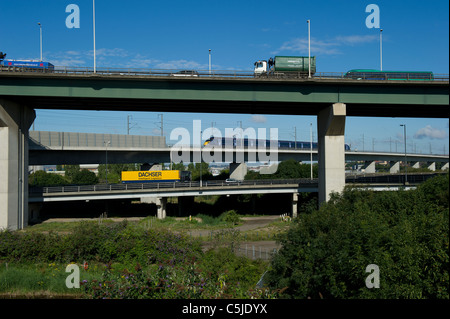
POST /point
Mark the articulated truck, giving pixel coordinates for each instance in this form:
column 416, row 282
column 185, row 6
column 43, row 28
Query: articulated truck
column 285, row 66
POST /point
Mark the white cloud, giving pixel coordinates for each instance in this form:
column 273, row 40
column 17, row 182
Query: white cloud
column 329, row 47
column 431, row 133
column 258, row 119
column 107, row 58
column 180, row 64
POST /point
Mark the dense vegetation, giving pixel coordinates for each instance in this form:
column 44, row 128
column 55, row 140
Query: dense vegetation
column 286, row 169
column 73, row 175
column 405, row 233
column 132, row 262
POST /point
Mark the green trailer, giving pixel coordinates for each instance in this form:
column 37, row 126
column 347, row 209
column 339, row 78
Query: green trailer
column 296, row 64
column 285, row 66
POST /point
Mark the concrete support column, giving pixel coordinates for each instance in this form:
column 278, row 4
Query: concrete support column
column 331, row 129
column 294, row 205
column 370, row 167
column 444, row 167
column 238, row 171
column 15, row 120
column 395, row 168
column 161, row 203
column 416, row 165
column 432, row 166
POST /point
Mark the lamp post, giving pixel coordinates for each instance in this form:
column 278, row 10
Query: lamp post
column 406, row 166
column 209, row 62
column 201, row 182
column 381, row 49
column 93, row 22
column 310, row 153
column 40, row 38
column 106, row 160
column 309, row 48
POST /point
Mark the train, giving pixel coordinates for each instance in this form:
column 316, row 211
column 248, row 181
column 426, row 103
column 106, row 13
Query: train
column 281, row 144
column 155, row 176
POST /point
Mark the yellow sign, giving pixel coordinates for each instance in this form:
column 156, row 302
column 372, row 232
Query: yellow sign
column 144, row 176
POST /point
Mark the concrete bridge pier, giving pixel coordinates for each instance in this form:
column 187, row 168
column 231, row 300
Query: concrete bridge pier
column 395, row 167
column 370, row 167
column 15, row 120
column 445, row 166
column 331, row 153
column 238, row 171
column 161, row 203
column 415, row 165
column 432, row 166
column 294, row 205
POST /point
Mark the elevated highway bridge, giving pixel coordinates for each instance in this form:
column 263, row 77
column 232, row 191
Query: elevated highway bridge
column 159, row 192
column 331, row 100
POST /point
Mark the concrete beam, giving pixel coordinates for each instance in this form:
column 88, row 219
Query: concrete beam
column 395, row 168
column 331, row 129
column 15, row 120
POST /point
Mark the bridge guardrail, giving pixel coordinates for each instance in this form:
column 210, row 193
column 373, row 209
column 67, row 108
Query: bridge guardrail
column 161, row 185
column 198, row 73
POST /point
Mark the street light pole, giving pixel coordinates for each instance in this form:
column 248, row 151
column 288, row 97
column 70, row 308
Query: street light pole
column 381, row 49
column 201, row 182
column 40, row 32
column 309, row 48
column 209, row 62
column 93, row 21
column 106, row 161
column 406, row 163
column 310, row 153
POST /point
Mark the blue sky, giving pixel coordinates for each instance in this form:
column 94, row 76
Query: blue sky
column 178, row 35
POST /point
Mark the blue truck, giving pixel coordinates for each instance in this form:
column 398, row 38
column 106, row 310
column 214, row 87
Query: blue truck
column 28, row 64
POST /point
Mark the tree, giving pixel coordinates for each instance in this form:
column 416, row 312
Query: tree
column 404, row 233
column 71, row 171
column 85, row 177
column 42, row 178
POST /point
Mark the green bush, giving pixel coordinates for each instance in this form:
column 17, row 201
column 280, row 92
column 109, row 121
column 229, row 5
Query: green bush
column 98, row 242
column 405, row 233
column 231, row 217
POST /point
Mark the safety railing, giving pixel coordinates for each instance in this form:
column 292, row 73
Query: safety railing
column 162, row 185
column 182, row 73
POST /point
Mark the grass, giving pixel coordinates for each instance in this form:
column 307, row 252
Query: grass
column 48, row 280
column 176, row 224
column 36, row 280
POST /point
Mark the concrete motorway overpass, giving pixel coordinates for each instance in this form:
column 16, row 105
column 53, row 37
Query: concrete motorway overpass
column 158, row 193
column 331, row 100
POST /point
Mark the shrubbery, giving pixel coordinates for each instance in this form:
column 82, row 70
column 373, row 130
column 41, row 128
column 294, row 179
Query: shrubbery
column 405, row 233
column 166, row 265
column 102, row 243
